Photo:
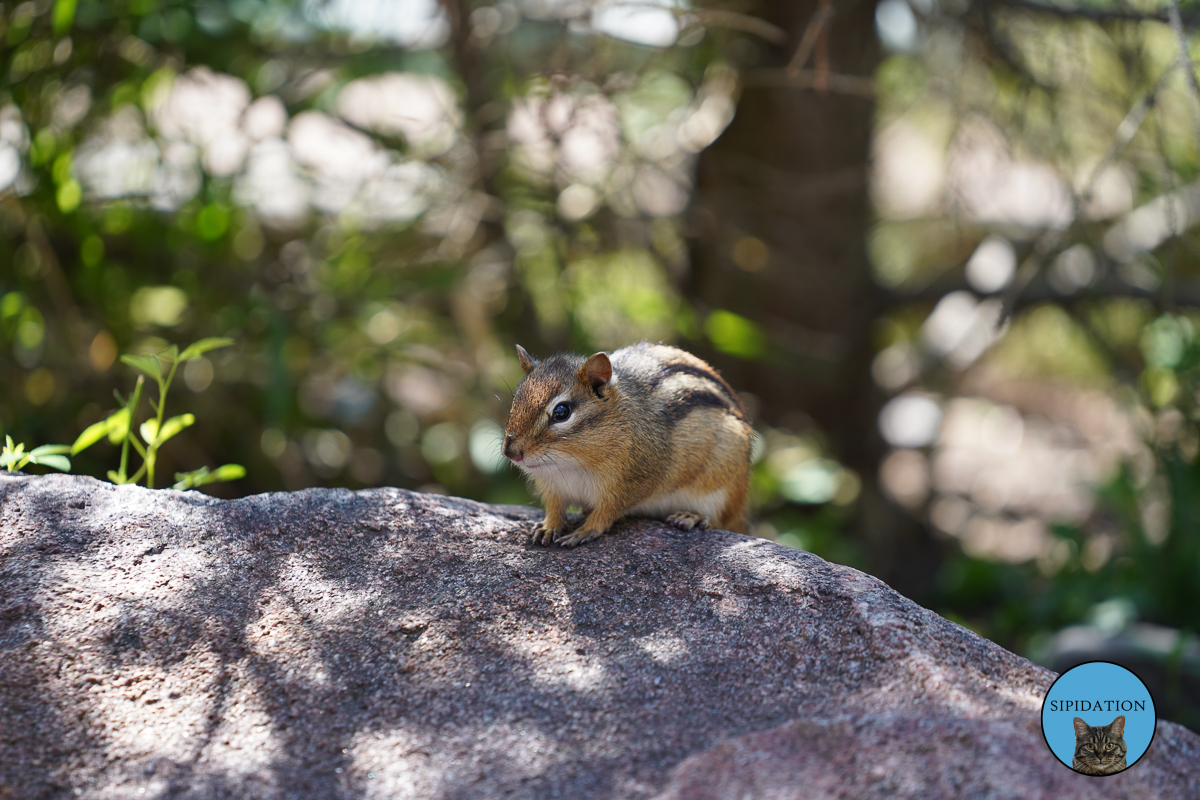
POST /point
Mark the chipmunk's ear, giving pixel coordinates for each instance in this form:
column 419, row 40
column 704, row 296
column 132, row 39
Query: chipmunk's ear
column 527, row 362
column 598, row 373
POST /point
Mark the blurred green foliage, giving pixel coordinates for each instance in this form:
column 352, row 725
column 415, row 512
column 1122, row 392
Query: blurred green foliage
column 1136, row 560
column 1070, row 139
column 374, row 345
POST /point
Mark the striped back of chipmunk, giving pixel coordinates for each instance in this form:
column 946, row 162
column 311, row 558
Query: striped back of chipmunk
column 674, row 382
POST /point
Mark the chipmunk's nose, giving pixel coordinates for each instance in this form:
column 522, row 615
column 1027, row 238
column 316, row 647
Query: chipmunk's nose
column 512, row 451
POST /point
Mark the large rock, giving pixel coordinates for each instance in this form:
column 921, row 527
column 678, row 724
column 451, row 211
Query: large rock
column 386, row 644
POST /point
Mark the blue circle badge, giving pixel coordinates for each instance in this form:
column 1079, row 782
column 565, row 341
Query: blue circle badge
column 1098, row 718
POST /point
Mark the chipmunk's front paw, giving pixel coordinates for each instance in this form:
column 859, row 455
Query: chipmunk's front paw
column 580, row 537
column 686, row 521
column 545, row 534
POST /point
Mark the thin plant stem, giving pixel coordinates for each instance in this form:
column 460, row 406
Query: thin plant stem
column 152, row 452
column 133, row 404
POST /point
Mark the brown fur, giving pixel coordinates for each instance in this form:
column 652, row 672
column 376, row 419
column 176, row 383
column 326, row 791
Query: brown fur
column 650, row 426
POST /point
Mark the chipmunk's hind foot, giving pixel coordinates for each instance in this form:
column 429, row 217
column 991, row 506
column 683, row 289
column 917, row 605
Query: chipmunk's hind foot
column 687, row 520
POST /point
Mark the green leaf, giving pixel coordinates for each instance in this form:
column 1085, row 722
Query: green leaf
column 49, row 450
column 114, row 477
column 52, row 456
column 197, row 349
column 188, row 480
column 170, row 354
column 173, row 426
column 13, row 458
column 114, row 427
column 61, row 463
column 119, row 420
column 199, row 477
column 149, row 430
column 94, row 433
column 147, row 364
column 227, row 472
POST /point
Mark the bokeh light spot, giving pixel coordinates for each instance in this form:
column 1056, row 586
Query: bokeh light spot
column 442, row 443
column 212, row 222
column 39, row 386
column 751, row 254
column 102, row 352
column 91, row 250
column 198, row 374
column 273, row 443
column 157, row 305
column 734, row 334
column 484, row 447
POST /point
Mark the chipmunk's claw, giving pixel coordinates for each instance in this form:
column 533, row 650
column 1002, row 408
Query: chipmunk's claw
column 579, row 537
column 544, row 534
column 686, row 521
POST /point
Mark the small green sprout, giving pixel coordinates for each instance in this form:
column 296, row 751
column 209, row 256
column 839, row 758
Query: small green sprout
column 13, row 457
column 156, row 431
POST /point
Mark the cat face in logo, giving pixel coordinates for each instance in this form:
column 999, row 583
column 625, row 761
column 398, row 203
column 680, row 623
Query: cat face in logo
column 1100, row 749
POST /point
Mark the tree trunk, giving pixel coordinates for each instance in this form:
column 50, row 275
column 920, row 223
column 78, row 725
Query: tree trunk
column 791, row 171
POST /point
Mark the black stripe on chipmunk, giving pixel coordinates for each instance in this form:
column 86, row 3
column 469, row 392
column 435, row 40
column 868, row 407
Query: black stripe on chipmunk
column 688, row 400
column 738, row 409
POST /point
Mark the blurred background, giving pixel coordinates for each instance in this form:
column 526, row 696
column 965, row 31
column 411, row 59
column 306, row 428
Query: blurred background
column 946, row 249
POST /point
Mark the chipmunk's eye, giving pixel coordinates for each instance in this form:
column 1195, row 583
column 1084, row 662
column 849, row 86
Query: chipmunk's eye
column 561, row 412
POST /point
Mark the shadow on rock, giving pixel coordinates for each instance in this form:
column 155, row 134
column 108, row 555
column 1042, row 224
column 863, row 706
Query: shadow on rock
column 379, row 644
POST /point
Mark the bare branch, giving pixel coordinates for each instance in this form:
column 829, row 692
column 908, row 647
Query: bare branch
column 816, row 26
column 1045, row 244
column 714, row 18
column 1048, row 243
column 1128, row 128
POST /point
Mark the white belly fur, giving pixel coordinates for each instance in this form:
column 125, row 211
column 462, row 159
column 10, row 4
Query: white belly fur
column 567, row 479
column 710, row 505
column 578, row 487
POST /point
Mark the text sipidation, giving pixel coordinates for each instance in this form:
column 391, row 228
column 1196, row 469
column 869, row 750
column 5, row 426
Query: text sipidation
column 1097, row 705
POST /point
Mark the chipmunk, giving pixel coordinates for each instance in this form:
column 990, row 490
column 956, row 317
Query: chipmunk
column 649, row 430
